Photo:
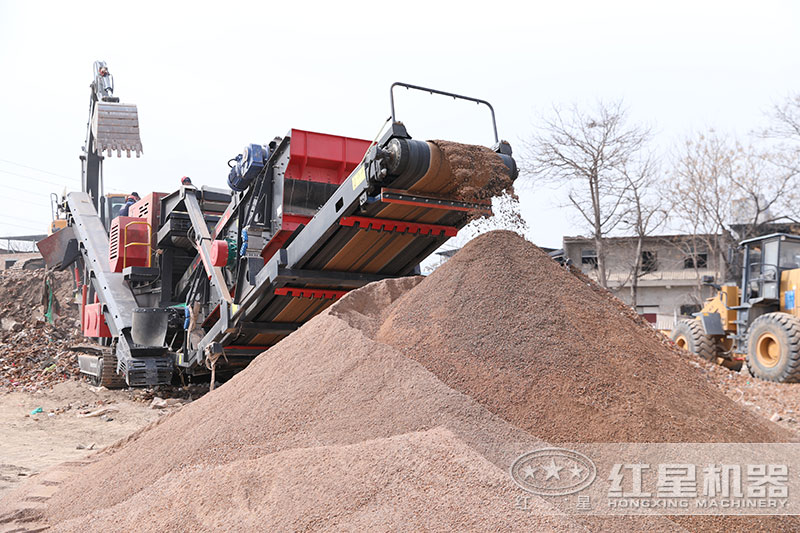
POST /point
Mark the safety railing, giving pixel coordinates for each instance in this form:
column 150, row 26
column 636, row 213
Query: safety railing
column 149, row 242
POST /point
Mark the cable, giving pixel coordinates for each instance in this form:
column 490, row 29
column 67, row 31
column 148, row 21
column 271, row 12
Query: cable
column 34, row 179
column 30, row 203
column 24, row 190
column 30, row 228
column 37, row 222
column 39, row 170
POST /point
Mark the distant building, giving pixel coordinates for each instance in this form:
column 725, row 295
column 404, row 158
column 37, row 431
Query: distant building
column 672, row 268
column 20, row 252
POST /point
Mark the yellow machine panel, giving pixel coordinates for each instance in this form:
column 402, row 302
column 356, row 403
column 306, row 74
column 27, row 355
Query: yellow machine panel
column 728, row 296
column 56, row 225
column 790, row 281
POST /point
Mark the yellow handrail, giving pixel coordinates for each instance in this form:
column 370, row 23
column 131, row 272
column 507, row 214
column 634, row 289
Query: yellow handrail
column 149, row 242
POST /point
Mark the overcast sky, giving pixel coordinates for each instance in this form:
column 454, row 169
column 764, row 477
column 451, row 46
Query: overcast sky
column 207, row 81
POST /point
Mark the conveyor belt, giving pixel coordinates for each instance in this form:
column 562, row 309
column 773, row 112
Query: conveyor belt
column 337, row 241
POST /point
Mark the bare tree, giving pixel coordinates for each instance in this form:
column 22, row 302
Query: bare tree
column 722, row 191
column 701, row 194
column 586, row 151
column 786, row 119
column 784, row 154
column 644, row 212
column 765, row 184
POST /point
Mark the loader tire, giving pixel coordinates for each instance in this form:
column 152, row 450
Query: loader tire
column 689, row 335
column 773, row 348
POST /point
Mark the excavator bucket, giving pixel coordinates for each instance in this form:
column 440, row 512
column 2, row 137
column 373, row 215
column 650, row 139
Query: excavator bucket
column 116, row 129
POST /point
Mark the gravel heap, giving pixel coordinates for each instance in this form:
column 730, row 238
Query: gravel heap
column 402, row 407
column 33, row 352
column 506, row 325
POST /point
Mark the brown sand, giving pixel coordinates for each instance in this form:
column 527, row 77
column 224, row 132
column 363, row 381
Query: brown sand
column 427, row 481
column 509, row 327
column 477, row 171
column 403, row 405
column 330, row 386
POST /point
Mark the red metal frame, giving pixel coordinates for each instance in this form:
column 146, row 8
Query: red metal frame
column 235, row 347
column 149, row 208
column 323, row 158
column 94, row 322
column 301, row 292
column 289, row 224
column 400, row 226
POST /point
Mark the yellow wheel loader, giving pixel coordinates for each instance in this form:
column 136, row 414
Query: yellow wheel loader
column 757, row 322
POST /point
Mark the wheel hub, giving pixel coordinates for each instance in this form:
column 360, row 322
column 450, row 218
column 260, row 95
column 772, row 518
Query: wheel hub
column 768, row 350
column 682, row 342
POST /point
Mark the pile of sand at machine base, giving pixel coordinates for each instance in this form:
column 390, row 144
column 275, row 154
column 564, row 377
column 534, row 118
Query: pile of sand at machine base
column 403, row 405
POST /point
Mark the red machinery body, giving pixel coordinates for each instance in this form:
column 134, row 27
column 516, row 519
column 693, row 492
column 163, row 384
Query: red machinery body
column 129, row 243
column 94, row 322
column 148, row 208
column 323, row 157
column 318, row 164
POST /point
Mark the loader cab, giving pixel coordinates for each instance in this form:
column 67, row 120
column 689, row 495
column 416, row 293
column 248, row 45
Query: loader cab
column 110, row 204
column 765, row 258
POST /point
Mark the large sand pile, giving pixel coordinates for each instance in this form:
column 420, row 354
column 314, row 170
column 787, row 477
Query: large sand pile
column 506, row 325
column 402, row 406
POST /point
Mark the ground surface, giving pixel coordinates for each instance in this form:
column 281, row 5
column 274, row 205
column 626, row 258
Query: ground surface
column 779, row 402
column 61, row 432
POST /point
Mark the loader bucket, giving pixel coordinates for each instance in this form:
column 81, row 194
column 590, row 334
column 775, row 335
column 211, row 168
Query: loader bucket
column 116, row 129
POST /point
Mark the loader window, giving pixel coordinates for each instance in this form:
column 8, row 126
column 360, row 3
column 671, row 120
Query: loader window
column 690, row 309
column 790, row 255
column 764, row 273
column 115, row 203
column 754, row 261
column 770, row 268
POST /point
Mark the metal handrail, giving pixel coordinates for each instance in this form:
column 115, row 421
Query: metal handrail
column 443, row 93
column 149, row 242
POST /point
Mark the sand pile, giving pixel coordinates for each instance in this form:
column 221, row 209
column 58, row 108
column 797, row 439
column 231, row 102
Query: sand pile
column 33, row 352
column 506, row 325
column 403, row 406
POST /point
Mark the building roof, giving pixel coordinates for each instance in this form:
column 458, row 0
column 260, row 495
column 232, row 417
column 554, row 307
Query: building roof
column 771, row 235
column 677, row 236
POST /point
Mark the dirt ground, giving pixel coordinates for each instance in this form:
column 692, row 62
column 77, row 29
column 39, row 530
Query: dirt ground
column 62, row 432
column 778, row 402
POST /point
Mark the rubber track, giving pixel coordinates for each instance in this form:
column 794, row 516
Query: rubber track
column 791, row 326
column 109, row 377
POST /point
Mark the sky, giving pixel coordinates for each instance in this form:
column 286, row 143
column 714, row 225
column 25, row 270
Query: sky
column 209, row 80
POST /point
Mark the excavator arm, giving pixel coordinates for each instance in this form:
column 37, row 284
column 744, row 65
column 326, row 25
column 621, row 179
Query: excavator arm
column 112, row 127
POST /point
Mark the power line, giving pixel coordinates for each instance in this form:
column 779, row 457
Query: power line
column 31, row 203
column 39, row 170
column 30, row 228
column 32, row 178
column 38, row 193
column 37, row 222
